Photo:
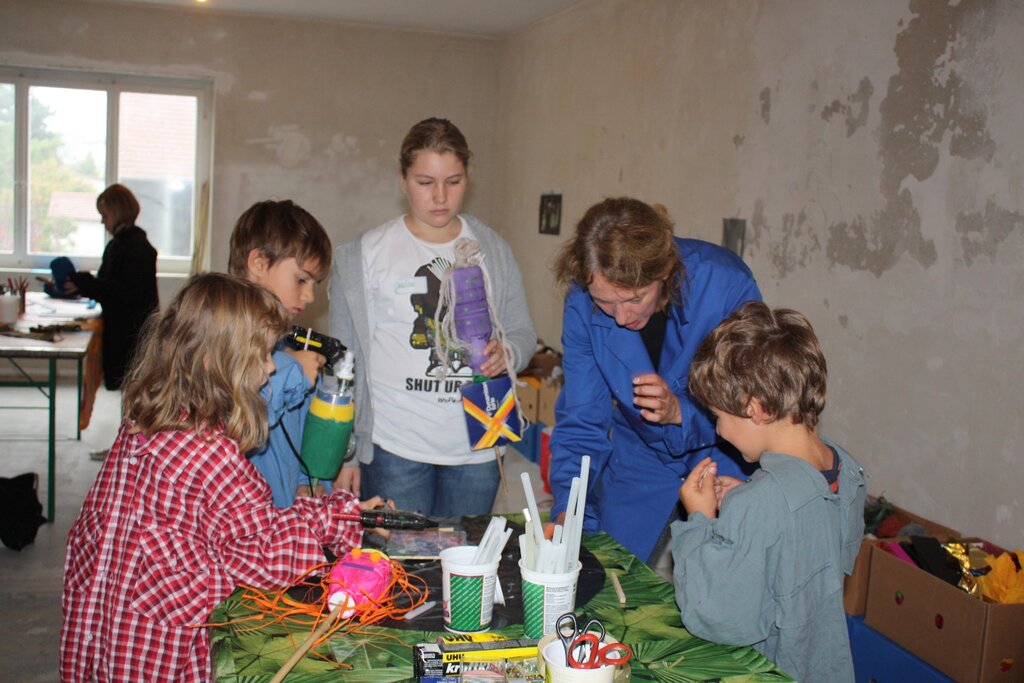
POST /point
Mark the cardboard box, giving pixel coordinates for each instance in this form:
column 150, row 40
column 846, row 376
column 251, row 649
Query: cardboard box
column 855, row 586
column 528, row 390
column 544, row 374
column 542, row 365
column 961, row 635
column 546, row 404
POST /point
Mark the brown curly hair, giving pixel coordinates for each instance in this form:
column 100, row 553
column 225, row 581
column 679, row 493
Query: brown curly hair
column 771, row 355
column 628, row 242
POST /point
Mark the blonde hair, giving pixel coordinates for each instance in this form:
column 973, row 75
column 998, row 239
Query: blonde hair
column 433, row 135
column 771, row 355
column 119, row 201
column 200, row 363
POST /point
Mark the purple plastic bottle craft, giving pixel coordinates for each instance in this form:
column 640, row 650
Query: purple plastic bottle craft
column 471, row 313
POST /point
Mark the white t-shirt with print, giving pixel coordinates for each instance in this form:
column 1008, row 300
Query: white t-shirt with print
column 416, row 415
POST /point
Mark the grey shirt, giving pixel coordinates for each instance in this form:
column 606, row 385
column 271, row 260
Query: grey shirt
column 768, row 571
column 350, row 318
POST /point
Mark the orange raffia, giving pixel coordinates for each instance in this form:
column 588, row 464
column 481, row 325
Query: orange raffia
column 276, row 607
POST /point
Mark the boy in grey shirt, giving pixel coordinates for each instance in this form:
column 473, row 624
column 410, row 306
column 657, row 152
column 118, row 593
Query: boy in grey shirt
column 768, row 570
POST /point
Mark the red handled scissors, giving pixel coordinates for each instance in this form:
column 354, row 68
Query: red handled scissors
column 597, row 655
column 583, row 649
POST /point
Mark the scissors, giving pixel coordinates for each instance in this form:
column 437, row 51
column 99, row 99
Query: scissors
column 583, row 649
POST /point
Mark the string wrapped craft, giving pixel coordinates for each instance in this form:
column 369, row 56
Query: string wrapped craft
column 278, row 607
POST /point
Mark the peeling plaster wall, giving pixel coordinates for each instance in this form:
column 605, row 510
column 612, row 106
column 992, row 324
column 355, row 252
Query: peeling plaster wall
column 875, row 150
column 314, row 111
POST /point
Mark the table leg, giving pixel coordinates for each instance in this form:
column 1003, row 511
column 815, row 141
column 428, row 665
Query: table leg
column 51, row 476
column 78, row 413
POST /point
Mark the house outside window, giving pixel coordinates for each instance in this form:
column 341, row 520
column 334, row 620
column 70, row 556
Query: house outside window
column 65, row 136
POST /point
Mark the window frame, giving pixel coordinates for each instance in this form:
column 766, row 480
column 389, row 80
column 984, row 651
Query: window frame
column 22, row 78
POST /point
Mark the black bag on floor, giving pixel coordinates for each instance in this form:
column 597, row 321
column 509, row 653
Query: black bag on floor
column 21, row 513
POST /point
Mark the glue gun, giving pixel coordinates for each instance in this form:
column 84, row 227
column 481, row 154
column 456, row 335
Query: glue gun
column 386, row 518
column 302, row 338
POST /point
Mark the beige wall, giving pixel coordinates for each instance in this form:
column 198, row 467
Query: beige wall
column 876, row 152
column 313, row 111
column 874, row 149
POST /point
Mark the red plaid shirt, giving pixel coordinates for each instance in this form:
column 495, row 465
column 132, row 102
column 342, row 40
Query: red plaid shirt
column 170, row 526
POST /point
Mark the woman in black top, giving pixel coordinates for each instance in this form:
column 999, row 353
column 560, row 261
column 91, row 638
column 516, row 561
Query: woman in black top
column 125, row 284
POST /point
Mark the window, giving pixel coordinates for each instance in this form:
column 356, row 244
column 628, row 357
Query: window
column 65, row 136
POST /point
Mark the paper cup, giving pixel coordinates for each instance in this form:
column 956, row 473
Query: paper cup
column 467, row 590
column 545, row 598
column 556, row 670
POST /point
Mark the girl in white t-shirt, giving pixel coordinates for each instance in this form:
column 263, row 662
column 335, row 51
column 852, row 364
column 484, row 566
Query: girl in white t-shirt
column 412, row 445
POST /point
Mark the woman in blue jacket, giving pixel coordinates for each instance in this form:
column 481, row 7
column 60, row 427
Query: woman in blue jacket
column 639, row 303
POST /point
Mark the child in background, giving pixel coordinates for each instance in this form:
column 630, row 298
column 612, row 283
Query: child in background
column 177, row 515
column 280, row 246
column 768, row 571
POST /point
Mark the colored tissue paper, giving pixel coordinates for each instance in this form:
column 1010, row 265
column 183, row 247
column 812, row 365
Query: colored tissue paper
column 1004, row 583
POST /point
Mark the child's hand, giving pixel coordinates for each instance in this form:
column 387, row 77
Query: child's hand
column 311, row 362
column 495, row 363
column 348, row 479
column 698, row 490
column 724, row 484
column 655, row 400
column 374, row 503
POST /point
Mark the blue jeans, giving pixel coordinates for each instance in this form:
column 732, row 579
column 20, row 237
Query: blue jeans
column 434, row 490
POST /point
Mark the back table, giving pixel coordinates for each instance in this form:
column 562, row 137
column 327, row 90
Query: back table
column 78, row 346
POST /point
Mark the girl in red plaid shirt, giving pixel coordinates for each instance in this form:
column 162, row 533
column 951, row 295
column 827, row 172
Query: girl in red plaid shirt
column 177, row 516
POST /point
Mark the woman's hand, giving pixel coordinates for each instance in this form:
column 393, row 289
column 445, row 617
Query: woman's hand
column 698, row 490
column 495, row 363
column 655, row 400
column 311, row 362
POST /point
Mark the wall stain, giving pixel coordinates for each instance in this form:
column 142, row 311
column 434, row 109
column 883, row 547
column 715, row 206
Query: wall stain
column 982, row 233
column 790, row 245
column 860, row 100
column 766, row 105
column 925, row 100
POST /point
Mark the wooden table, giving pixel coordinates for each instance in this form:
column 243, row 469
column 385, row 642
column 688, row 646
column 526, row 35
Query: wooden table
column 42, row 310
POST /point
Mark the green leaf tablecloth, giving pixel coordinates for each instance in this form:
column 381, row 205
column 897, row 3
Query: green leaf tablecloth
column 649, row 622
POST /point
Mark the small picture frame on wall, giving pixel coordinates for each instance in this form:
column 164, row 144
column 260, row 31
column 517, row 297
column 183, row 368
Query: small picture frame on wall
column 550, row 213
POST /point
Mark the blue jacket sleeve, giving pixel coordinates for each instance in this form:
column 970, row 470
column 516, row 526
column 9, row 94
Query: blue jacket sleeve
column 717, row 283
column 583, row 411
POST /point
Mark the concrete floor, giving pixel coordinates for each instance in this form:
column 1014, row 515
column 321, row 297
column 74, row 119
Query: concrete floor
column 31, row 579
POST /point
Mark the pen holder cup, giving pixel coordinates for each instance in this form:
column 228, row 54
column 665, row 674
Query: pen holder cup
column 11, row 305
column 467, row 590
column 547, row 597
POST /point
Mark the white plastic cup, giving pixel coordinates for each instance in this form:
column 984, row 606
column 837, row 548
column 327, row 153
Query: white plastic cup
column 547, row 597
column 557, row 670
column 10, row 306
column 467, row 590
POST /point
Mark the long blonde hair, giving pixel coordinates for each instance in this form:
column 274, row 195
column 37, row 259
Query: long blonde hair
column 200, row 363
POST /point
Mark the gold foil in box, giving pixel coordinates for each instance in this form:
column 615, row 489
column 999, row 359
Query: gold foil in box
column 961, row 552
